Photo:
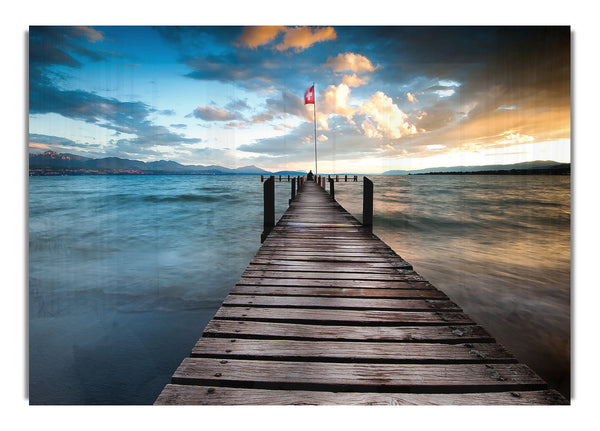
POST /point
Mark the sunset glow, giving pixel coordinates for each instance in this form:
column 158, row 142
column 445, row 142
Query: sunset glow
column 410, row 98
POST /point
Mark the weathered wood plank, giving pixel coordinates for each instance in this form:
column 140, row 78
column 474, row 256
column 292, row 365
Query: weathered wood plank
column 214, row 395
column 350, row 317
column 339, row 291
column 298, row 253
column 286, row 259
column 407, row 283
column 325, row 267
column 337, row 351
column 402, row 334
column 401, row 275
column 357, row 376
column 328, row 247
column 281, row 238
column 340, row 303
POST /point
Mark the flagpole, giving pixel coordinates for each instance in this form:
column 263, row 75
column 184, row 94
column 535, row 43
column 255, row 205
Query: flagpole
column 315, row 122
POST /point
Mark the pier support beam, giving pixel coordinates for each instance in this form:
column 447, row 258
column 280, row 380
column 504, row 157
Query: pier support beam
column 269, row 208
column 368, row 203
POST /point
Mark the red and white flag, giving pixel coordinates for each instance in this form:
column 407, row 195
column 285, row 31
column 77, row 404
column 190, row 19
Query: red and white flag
column 309, row 96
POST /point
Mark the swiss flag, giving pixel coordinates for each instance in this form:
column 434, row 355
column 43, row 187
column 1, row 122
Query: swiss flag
column 309, row 96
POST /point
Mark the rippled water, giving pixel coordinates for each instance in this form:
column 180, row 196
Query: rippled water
column 499, row 246
column 125, row 271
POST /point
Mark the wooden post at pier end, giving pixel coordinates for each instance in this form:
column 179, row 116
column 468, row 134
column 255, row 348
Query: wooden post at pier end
column 269, row 208
column 331, row 188
column 368, row 204
column 293, row 189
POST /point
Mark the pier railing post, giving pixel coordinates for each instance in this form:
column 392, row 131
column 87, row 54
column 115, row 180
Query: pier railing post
column 293, row 189
column 368, row 203
column 269, row 208
column 331, row 188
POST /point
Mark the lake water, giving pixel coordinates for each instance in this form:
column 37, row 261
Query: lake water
column 125, row 271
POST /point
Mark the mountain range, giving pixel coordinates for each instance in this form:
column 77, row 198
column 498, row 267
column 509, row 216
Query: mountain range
column 51, row 162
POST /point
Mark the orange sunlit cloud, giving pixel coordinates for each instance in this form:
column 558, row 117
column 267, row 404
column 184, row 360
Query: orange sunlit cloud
column 253, row 37
column 350, row 61
column 301, row 38
column 296, row 38
column 353, row 80
column 39, row 146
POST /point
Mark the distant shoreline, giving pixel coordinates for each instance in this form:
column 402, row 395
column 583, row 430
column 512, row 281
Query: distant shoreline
column 58, row 172
column 563, row 170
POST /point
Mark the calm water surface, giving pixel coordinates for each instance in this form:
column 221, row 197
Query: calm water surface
column 125, row 271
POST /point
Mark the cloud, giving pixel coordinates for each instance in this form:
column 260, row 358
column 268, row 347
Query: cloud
column 297, row 147
column 411, row 98
column 353, row 80
column 59, row 46
column 385, row 118
column 297, row 39
column 336, row 102
column 350, row 61
column 301, row 38
column 253, row 37
column 208, row 113
column 130, row 118
column 293, row 144
column 39, row 143
column 287, row 103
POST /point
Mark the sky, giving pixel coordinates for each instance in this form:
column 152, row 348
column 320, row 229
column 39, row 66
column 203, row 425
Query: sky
column 387, row 97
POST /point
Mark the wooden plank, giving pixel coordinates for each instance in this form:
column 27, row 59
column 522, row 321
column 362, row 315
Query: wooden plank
column 402, row 275
column 297, row 375
column 339, row 291
column 403, row 334
column 340, row 303
column 280, row 238
column 338, row 351
column 342, row 317
column 296, row 253
column 286, row 259
column 322, row 245
column 326, row 267
column 407, row 283
column 212, row 395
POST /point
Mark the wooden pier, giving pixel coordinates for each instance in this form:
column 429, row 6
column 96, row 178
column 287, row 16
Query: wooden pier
column 327, row 313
